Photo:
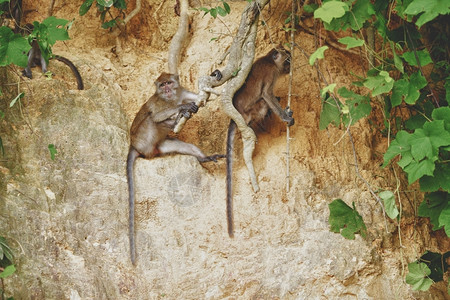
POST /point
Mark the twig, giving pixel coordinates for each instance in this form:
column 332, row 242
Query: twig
column 178, row 39
column 288, row 138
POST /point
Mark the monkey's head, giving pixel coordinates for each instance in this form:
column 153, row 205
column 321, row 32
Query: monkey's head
column 282, row 59
column 167, row 86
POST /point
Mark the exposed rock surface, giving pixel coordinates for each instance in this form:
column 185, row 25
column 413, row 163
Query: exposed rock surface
column 67, row 218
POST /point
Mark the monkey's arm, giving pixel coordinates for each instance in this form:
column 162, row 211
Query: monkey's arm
column 284, row 114
column 170, row 112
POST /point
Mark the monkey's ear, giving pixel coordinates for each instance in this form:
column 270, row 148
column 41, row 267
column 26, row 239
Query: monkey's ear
column 176, row 77
column 275, row 54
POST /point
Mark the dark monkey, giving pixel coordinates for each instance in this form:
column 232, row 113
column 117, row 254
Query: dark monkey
column 13, row 10
column 149, row 130
column 35, row 58
column 253, row 101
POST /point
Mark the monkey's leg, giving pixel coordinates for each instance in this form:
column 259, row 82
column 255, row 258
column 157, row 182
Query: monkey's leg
column 177, row 146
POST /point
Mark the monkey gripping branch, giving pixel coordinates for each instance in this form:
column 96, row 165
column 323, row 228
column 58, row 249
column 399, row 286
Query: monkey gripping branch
column 241, row 55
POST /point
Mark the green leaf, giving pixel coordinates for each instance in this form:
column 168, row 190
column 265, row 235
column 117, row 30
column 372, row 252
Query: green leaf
column 417, row 169
column 344, row 217
column 331, row 10
column 56, row 30
column 2, row 148
column 330, row 113
column 109, row 24
column 310, row 7
column 444, row 219
column 424, row 58
column 382, row 83
column 221, row 11
column 397, row 60
column 400, row 146
column 442, row 113
column 389, row 204
column 418, row 276
column 105, row 3
column 52, row 150
column 318, row 54
column 358, row 106
column 13, row 48
column 21, row 95
column 120, row 4
column 8, row 271
column 5, row 250
column 417, row 81
column 84, row 8
column 227, row 7
column 328, row 89
column 213, row 12
column 440, row 179
column 430, row 8
column 432, row 206
column 351, row 42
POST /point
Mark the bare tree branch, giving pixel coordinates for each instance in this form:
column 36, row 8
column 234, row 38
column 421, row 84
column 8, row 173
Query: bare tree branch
column 178, row 39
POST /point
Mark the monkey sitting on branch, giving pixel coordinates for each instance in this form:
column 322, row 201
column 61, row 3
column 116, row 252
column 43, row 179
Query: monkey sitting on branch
column 253, row 101
column 149, row 130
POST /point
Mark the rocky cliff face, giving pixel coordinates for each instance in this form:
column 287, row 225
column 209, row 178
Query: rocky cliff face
column 67, row 218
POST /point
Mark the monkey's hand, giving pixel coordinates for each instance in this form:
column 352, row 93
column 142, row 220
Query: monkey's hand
column 290, row 120
column 187, row 109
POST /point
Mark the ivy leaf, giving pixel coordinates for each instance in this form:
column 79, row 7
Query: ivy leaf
column 379, row 84
column 400, row 146
column 423, row 55
column 430, row 8
column 56, row 30
column 432, row 207
column 331, row 10
column 328, row 89
column 418, row 276
column 442, row 113
column 13, row 48
column 389, row 204
column 8, row 271
column 358, row 105
column 343, row 216
column 351, row 42
column 318, row 54
column 440, row 179
column 400, row 89
column 417, row 81
column 330, row 113
column 444, row 219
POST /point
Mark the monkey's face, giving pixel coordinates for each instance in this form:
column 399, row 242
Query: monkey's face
column 282, row 59
column 167, row 87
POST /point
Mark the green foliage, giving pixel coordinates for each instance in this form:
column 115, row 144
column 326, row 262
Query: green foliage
column 318, row 54
column 389, row 204
column 104, row 7
column 429, row 268
column 346, row 218
column 6, row 259
column 52, row 150
column 418, row 276
column 351, row 42
column 14, row 47
column 331, row 113
column 218, row 10
column 428, row 10
column 435, row 205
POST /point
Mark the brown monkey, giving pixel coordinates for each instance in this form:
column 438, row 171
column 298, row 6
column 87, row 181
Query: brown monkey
column 149, row 130
column 35, row 58
column 253, row 101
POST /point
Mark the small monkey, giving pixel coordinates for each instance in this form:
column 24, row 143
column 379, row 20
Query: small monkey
column 149, row 130
column 35, row 58
column 254, row 100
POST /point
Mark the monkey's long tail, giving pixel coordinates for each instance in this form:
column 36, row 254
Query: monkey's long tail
column 132, row 155
column 230, row 144
column 73, row 68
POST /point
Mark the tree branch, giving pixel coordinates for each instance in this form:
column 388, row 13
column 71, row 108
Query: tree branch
column 178, row 39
